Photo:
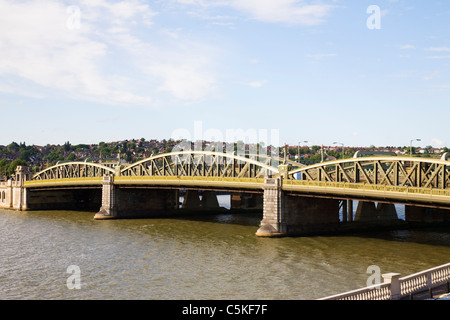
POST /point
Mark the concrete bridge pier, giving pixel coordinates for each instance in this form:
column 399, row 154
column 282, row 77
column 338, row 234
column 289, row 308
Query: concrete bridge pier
column 108, row 209
column 209, row 200
column 285, row 214
column 246, row 201
column 124, row 202
column 386, row 211
column 367, row 211
column 191, row 200
column 273, row 223
column 195, row 200
column 416, row 214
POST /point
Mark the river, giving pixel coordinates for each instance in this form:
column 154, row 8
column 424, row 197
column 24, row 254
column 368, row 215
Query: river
column 214, row 257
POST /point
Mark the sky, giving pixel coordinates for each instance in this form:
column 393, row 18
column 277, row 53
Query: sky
column 349, row 72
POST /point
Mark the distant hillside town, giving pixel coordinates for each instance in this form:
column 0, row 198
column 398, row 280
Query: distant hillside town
column 129, row 151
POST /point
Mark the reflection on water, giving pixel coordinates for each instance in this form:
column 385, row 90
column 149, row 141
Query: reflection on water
column 217, row 257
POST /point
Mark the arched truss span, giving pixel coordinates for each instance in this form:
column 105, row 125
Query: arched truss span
column 200, row 163
column 70, row 170
column 393, row 171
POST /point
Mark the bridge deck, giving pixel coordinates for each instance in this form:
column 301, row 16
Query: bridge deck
column 175, row 181
column 399, row 194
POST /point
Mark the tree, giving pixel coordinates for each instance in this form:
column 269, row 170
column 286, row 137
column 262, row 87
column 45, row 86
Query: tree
column 13, row 165
column 315, row 148
column 67, row 146
column 411, row 149
column 4, row 164
column 55, row 155
column 12, row 147
column 71, row 157
column 25, row 155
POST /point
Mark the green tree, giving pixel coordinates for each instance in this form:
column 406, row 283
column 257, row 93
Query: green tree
column 71, row 157
column 12, row 147
column 67, row 146
column 55, row 155
column 4, row 164
column 25, row 155
column 13, row 165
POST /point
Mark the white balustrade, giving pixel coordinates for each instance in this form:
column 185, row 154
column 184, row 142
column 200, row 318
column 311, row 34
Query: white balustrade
column 395, row 288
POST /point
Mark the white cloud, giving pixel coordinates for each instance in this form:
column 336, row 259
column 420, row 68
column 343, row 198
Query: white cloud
column 256, row 83
column 432, row 75
column 106, row 58
column 438, row 57
column 280, row 11
column 322, row 55
column 440, row 88
column 435, row 142
column 439, row 49
column 287, row 11
column 183, row 81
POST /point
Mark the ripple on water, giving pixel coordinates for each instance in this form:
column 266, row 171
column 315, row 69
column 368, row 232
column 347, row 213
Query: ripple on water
column 200, row 258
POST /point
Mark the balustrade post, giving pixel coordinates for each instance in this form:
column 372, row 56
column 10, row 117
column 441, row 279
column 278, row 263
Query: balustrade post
column 394, row 280
column 429, row 284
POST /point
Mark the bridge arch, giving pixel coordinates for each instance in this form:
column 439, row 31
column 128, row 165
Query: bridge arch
column 392, row 171
column 69, row 170
column 200, row 163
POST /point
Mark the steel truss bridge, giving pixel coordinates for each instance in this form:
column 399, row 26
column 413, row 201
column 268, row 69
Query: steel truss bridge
column 396, row 179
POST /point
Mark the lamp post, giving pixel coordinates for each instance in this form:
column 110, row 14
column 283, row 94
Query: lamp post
column 342, row 148
column 298, row 149
column 410, row 146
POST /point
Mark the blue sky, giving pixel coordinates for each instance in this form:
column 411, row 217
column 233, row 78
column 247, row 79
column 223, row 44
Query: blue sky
column 290, row 70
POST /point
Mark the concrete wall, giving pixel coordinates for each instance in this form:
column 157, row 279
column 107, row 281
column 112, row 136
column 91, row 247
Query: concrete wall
column 421, row 214
column 137, row 202
column 5, row 195
column 370, row 212
column 132, row 202
column 246, row 201
column 71, row 199
column 305, row 215
column 12, row 196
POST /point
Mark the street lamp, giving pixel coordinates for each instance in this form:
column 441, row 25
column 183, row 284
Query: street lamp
column 410, row 146
column 298, row 149
column 342, row 148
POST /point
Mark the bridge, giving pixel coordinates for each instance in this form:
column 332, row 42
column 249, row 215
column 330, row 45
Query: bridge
column 295, row 199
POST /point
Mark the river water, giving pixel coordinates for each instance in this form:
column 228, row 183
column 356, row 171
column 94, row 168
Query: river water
column 214, row 257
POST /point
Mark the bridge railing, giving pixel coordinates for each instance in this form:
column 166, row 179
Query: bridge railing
column 375, row 292
column 396, row 288
column 369, row 187
column 246, row 183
